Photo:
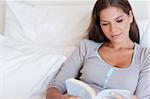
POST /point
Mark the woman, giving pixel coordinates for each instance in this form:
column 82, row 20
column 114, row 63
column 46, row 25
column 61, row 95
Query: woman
column 111, row 57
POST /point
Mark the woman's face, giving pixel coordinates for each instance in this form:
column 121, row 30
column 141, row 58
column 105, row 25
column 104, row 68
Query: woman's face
column 115, row 24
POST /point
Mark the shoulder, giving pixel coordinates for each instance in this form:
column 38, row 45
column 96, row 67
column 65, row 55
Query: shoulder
column 144, row 55
column 88, row 43
column 88, row 46
column 144, row 51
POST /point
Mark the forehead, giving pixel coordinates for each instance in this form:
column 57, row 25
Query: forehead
column 111, row 13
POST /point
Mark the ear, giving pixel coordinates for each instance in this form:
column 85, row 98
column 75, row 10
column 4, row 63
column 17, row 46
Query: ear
column 131, row 16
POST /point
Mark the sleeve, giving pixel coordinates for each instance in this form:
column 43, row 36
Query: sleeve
column 70, row 68
column 143, row 87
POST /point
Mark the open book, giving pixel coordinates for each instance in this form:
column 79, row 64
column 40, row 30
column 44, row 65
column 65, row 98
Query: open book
column 78, row 88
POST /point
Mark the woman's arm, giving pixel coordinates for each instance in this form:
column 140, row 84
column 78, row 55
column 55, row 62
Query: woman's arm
column 143, row 87
column 69, row 69
column 54, row 93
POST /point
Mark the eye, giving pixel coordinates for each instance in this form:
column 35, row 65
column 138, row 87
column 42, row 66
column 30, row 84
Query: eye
column 119, row 20
column 104, row 24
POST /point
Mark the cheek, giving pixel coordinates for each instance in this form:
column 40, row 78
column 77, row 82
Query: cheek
column 105, row 30
column 126, row 27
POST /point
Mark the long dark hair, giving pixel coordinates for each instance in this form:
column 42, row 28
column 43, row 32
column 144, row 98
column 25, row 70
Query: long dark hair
column 95, row 32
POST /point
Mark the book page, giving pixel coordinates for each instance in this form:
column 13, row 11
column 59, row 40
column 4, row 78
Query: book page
column 79, row 88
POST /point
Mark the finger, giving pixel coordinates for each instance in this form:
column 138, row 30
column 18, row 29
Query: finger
column 65, row 96
column 107, row 97
column 117, row 95
column 77, row 97
column 133, row 97
column 74, row 97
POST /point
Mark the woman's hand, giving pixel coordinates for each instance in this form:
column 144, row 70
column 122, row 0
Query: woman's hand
column 117, row 96
column 69, row 97
column 54, row 93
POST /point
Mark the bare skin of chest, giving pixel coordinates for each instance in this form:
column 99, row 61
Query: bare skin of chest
column 120, row 58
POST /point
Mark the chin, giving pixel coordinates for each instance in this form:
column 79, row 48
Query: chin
column 117, row 41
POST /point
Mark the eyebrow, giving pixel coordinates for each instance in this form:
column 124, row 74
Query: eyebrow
column 115, row 18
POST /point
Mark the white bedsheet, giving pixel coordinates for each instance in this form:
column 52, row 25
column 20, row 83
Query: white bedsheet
column 26, row 69
column 22, row 97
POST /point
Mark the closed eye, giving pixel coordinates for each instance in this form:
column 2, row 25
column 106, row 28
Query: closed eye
column 104, row 24
column 119, row 20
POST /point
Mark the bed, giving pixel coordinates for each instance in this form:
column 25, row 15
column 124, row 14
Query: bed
column 37, row 36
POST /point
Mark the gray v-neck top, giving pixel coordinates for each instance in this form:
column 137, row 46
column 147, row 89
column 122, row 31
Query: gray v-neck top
column 100, row 75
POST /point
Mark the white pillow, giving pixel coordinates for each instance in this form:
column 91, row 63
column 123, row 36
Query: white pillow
column 26, row 72
column 144, row 27
column 57, row 25
column 51, row 25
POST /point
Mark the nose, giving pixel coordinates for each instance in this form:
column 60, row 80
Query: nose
column 113, row 28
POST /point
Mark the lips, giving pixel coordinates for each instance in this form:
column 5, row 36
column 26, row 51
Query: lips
column 116, row 35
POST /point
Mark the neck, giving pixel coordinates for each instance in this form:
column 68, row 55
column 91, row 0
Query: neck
column 128, row 44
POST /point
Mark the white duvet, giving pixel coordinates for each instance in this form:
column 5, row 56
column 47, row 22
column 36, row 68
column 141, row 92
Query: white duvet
column 26, row 69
